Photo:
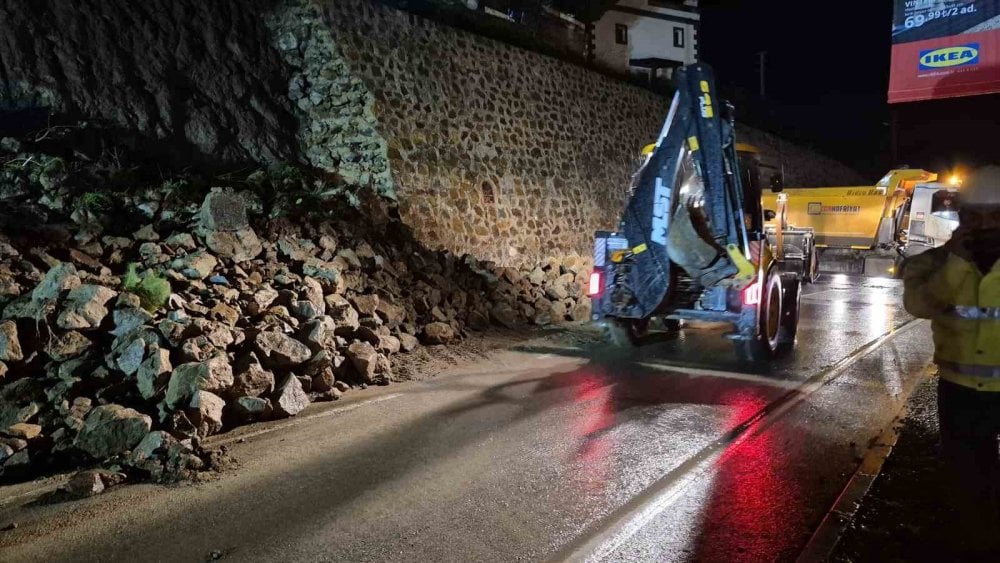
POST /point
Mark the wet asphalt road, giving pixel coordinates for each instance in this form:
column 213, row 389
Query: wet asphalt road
column 570, row 451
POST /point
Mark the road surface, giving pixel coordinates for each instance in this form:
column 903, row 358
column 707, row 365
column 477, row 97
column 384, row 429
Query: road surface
column 561, row 449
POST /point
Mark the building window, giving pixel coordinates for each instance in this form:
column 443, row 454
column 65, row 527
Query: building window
column 621, row 34
column 679, row 37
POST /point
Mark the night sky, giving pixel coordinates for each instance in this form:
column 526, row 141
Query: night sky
column 826, row 76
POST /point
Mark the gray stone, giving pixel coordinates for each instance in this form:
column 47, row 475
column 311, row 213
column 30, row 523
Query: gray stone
column 10, row 346
column 223, row 210
column 12, row 413
column 326, row 273
column 370, row 365
column 251, row 379
column 344, row 316
column 393, row 315
column 295, row 249
column 556, row 291
column 261, row 300
column 153, row 442
column 57, row 280
column 154, row 372
column 181, row 240
column 197, row 349
column 129, row 356
column 320, row 334
column 5, row 453
column 197, row 265
column 305, row 310
column 408, row 342
column 290, row 399
column 438, row 333
column 68, row 346
column 536, row 277
column 205, row 412
column 129, row 320
column 214, row 375
column 239, row 246
column 224, row 313
column 323, row 381
column 84, row 484
column 85, row 307
column 17, row 463
column 251, row 409
column 112, row 429
column 312, row 291
column 366, row 305
column 127, row 300
column 280, row 350
column 146, row 233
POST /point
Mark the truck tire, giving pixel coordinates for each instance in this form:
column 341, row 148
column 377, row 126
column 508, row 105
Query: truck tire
column 765, row 345
column 625, row 332
column 790, row 303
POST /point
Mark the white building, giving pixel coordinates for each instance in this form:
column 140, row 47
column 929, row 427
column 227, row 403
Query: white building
column 648, row 38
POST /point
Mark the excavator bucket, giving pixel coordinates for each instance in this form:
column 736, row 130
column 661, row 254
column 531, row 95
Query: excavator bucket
column 686, row 203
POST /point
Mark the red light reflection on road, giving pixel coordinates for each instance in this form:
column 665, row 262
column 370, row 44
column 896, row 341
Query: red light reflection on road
column 593, row 392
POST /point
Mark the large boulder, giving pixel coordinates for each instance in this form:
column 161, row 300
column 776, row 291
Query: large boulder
column 290, row 398
column 223, row 210
column 154, row 372
column 85, row 307
column 196, row 266
column 205, row 412
column 369, row 364
column 438, row 333
column 214, row 376
column 112, row 429
column 320, row 334
column 251, row 409
column 238, row 246
column 10, row 346
column 277, row 349
column 68, row 346
column 251, row 379
column 57, row 280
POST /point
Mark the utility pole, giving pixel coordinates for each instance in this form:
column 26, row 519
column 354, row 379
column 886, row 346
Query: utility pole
column 761, row 62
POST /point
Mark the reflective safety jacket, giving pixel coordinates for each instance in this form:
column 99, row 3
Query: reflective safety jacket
column 964, row 307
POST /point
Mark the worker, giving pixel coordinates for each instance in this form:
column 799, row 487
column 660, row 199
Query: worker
column 957, row 286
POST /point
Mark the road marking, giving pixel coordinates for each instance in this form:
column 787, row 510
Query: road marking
column 224, row 439
column 625, row 522
column 702, row 372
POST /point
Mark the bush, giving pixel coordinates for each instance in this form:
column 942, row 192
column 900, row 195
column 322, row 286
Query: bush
column 152, row 290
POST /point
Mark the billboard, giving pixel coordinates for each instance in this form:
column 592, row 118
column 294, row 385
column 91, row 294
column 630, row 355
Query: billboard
column 944, row 49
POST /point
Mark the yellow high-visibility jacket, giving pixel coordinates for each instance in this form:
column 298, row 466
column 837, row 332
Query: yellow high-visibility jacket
column 963, row 304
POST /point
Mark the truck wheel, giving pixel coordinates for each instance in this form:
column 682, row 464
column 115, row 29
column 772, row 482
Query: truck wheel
column 789, row 314
column 764, row 345
column 625, row 332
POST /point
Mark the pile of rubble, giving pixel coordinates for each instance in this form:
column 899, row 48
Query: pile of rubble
column 129, row 350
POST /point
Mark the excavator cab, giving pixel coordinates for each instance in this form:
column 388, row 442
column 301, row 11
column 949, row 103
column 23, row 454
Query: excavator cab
column 692, row 243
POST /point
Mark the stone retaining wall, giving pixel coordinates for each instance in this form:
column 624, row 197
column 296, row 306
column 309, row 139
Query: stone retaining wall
column 506, row 153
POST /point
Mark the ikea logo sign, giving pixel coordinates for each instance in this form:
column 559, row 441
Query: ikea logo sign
column 946, row 57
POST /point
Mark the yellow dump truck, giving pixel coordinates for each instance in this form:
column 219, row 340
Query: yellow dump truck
column 853, row 217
